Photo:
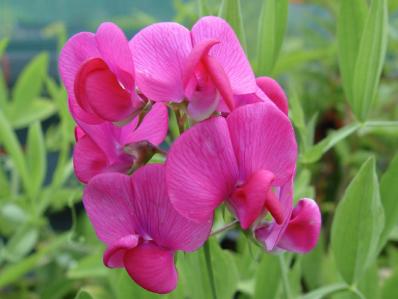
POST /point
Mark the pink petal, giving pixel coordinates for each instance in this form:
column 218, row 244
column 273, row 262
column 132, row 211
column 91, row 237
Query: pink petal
column 88, row 159
column 114, row 48
column 248, row 200
column 78, row 49
column 270, row 233
column 263, row 139
column 159, row 53
column 153, row 127
column 203, row 104
column 201, row 169
column 274, row 91
column 156, row 216
column 228, row 52
column 303, row 230
column 152, row 268
column 106, row 200
column 114, row 254
column 98, row 91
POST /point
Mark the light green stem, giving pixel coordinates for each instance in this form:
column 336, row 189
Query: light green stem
column 285, row 278
column 210, row 270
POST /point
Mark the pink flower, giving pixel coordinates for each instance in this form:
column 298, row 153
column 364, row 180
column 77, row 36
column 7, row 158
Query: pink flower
column 245, row 161
column 134, row 218
column 206, row 65
column 98, row 73
column 105, row 147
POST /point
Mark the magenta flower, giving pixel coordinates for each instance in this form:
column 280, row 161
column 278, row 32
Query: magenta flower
column 207, row 65
column 98, row 73
column 134, row 218
column 105, row 147
column 245, row 161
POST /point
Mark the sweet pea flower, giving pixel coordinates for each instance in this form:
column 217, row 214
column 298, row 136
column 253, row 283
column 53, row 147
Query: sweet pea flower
column 206, row 66
column 135, row 219
column 98, row 73
column 246, row 161
column 106, row 147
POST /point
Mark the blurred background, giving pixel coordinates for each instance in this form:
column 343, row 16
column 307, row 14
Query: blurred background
column 47, row 247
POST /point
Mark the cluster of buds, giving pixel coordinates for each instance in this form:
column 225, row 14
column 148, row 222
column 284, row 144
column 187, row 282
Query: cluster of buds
column 237, row 147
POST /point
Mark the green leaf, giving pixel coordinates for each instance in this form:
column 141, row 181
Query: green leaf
column 388, row 193
column 357, row 224
column 30, row 82
column 88, row 267
column 390, row 287
column 351, row 20
column 92, row 292
column 312, row 265
column 36, row 157
column 325, row 291
column 21, row 243
column 271, row 30
column 39, row 109
column 3, row 45
column 315, row 153
column 231, row 11
column 268, row 277
column 13, row 148
column 370, row 59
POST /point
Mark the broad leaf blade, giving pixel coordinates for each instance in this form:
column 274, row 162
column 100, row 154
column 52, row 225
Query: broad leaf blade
column 351, row 20
column 370, row 60
column 231, row 11
column 271, row 30
column 268, row 277
column 388, row 193
column 36, row 157
column 357, row 224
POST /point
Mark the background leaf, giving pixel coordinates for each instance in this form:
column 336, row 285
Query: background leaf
column 357, row 224
column 268, row 277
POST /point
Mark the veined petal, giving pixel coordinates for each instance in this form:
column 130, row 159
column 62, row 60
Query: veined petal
column 153, row 127
column 78, row 49
column 302, row 232
column 157, row 218
column 114, row 254
column 201, row 169
column 88, row 159
column 228, row 52
column 98, row 91
column 274, row 91
column 114, row 48
column 106, row 200
column 159, row 53
column 152, row 267
column 263, row 138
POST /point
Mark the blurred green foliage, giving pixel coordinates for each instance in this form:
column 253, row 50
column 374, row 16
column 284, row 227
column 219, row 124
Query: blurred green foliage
column 343, row 95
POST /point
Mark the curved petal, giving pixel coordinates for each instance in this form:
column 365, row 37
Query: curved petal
column 228, row 52
column 152, row 268
column 114, row 254
column 269, row 234
column 114, row 48
column 263, row 138
column 159, row 53
column 302, row 232
column 88, row 159
column 274, row 91
column 98, row 91
column 78, row 49
column 203, row 104
column 107, row 201
column 153, row 127
column 201, row 169
column 156, row 216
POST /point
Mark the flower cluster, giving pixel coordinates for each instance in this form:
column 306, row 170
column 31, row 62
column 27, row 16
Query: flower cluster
column 240, row 151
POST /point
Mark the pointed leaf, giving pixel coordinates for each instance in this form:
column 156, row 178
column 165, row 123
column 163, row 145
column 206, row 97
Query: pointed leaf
column 357, row 224
column 271, row 30
column 370, row 59
column 268, row 277
column 325, row 291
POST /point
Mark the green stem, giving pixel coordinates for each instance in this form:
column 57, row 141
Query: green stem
column 210, row 269
column 381, row 123
column 224, row 228
column 285, row 278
